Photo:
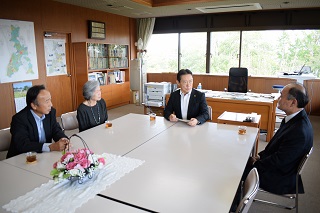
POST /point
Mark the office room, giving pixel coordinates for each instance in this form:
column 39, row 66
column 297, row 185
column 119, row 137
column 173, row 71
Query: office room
column 182, row 28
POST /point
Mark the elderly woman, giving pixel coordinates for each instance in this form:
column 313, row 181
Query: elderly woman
column 93, row 111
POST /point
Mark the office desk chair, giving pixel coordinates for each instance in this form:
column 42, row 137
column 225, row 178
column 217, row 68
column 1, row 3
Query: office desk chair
column 238, row 80
column 69, row 121
column 249, row 190
column 5, row 140
column 289, row 196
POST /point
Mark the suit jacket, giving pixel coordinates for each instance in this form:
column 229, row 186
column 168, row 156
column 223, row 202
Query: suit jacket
column 279, row 161
column 197, row 107
column 24, row 131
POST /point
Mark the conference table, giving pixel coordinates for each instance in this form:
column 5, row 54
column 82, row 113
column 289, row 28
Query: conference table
column 185, row 169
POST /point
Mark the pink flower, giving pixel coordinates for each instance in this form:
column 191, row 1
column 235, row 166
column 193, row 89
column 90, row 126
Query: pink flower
column 76, row 163
column 101, row 160
column 71, row 165
column 84, row 163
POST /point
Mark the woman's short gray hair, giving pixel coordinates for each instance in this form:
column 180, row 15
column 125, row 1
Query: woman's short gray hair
column 89, row 88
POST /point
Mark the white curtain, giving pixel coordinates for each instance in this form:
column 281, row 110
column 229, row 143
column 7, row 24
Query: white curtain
column 145, row 29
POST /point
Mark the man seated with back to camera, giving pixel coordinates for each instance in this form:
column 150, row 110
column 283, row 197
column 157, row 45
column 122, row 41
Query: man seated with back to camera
column 34, row 127
column 187, row 103
column 277, row 164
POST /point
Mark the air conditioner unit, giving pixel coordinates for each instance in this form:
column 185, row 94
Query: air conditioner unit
column 230, row 8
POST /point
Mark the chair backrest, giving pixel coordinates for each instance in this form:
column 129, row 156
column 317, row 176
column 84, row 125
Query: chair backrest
column 210, row 112
column 5, row 139
column 69, row 121
column 303, row 161
column 238, row 80
column 250, row 189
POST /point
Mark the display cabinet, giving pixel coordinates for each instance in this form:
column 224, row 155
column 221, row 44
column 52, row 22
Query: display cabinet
column 106, row 63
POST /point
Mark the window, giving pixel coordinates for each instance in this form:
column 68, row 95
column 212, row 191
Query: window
column 224, row 51
column 276, row 51
column 162, row 53
column 193, row 52
column 264, row 53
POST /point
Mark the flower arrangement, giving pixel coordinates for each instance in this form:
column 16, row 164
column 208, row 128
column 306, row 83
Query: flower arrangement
column 77, row 164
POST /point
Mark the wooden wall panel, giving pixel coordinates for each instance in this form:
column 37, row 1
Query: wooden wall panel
column 117, row 27
column 7, row 106
column 264, row 84
column 56, row 16
column 51, row 16
column 313, row 88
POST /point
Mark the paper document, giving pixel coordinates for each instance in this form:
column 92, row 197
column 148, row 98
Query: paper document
column 183, row 120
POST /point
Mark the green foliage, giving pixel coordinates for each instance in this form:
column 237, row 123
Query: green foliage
column 263, row 52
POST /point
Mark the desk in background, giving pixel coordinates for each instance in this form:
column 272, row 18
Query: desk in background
column 158, row 110
column 263, row 104
column 300, row 78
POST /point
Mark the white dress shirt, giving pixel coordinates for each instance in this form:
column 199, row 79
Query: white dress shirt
column 184, row 104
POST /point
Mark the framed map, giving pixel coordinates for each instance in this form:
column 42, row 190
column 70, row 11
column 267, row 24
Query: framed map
column 17, row 51
column 55, row 54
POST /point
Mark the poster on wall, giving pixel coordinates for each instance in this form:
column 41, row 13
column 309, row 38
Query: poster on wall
column 19, row 93
column 55, row 54
column 17, row 51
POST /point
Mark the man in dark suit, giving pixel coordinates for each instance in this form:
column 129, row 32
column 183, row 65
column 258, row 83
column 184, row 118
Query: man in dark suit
column 277, row 164
column 186, row 103
column 34, row 127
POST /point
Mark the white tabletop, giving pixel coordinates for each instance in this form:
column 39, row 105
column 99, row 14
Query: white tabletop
column 16, row 182
column 127, row 133
column 101, row 204
column 42, row 166
column 187, row 169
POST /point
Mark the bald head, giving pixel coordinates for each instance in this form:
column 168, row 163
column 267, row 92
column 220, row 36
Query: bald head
column 298, row 92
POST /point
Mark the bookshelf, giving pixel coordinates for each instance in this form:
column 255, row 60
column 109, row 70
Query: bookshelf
column 106, row 63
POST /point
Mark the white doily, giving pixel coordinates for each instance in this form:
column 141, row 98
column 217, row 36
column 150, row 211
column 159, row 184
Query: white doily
column 67, row 195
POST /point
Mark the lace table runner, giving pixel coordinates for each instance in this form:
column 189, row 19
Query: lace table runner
column 67, row 195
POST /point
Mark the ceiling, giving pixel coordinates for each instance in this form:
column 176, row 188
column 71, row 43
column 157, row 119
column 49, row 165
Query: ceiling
column 161, row 8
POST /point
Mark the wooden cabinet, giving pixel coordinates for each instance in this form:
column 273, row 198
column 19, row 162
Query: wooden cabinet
column 107, row 63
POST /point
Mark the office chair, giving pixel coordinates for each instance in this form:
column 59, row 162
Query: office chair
column 69, row 121
column 238, row 80
column 249, row 190
column 5, row 140
column 289, row 196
